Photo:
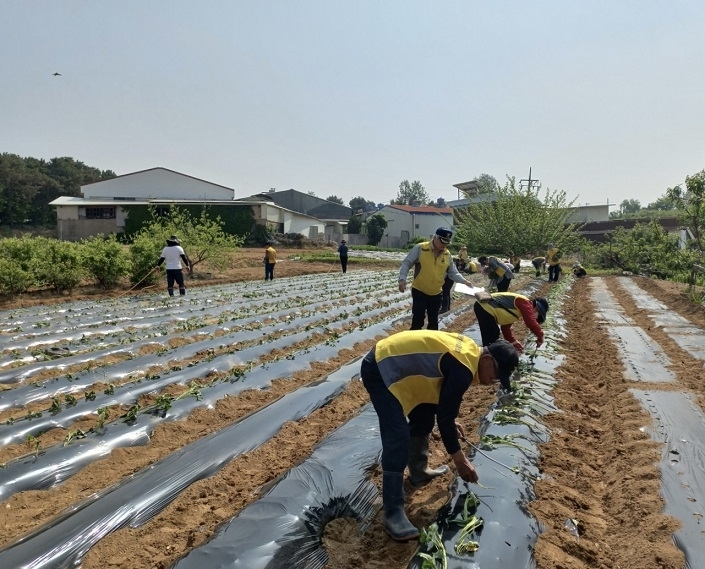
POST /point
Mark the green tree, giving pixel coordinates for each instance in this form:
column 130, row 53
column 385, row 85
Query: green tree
column 691, row 200
column 412, row 192
column 486, row 184
column 354, row 225
column 360, row 203
column 335, row 199
column 664, row 203
column 202, row 238
column 646, row 248
column 517, row 222
column 626, row 209
column 376, row 224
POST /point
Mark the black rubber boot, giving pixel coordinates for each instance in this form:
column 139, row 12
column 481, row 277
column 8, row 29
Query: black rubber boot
column 419, row 472
column 396, row 524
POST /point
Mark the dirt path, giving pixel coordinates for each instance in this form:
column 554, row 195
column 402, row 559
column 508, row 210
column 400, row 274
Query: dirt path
column 599, row 466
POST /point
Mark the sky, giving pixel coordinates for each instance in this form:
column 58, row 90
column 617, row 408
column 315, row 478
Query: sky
column 603, row 100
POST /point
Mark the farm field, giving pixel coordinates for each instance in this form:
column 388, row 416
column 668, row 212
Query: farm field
column 216, row 430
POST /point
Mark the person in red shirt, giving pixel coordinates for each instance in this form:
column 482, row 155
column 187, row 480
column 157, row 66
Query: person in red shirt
column 505, row 308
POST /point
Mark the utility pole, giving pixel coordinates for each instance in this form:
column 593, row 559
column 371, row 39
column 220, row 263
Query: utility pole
column 530, row 184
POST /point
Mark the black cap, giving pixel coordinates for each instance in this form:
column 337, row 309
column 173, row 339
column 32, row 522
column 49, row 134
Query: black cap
column 507, row 359
column 541, row 305
column 445, row 234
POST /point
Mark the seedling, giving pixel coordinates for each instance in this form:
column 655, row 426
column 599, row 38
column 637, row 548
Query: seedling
column 437, row 551
column 464, row 543
column 493, row 441
column 77, row 434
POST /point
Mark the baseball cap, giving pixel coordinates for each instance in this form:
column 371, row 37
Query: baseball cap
column 445, row 234
column 542, row 306
column 507, row 359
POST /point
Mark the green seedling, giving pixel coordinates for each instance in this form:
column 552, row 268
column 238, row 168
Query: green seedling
column 55, row 405
column 493, row 441
column 103, row 415
column 131, row 414
column 508, row 419
column 437, row 551
column 34, row 442
column 77, row 434
column 464, row 543
column 514, row 469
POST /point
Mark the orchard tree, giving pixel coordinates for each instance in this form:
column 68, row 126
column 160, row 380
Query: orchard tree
column 202, row 238
column 412, row 192
column 517, row 222
column 376, row 224
column 691, row 200
column 335, row 199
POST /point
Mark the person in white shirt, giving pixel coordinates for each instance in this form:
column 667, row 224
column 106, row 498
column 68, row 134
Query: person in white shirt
column 173, row 254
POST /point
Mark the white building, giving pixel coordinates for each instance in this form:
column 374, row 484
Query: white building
column 406, row 222
column 103, row 207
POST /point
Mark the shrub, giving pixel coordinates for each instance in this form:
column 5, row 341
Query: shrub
column 105, row 260
column 14, row 279
column 57, row 264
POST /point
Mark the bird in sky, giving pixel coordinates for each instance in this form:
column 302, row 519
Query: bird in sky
column 55, row 74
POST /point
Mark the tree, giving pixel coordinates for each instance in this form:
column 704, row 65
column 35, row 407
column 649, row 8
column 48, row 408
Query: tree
column 354, row 225
column 626, row 209
column 517, row 222
column 486, row 184
column 376, row 224
column 360, row 203
column 335, row 199
column 202, row 237
column 691, row 200
column 664, row 203
column 411, row 194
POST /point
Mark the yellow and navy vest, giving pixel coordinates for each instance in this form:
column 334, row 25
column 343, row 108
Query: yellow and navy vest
column 429, row 270
column 554, row 256
column 503, row 307
column 270, row 255
column 410, row 363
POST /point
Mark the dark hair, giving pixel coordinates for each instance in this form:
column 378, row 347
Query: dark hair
column 482, row 260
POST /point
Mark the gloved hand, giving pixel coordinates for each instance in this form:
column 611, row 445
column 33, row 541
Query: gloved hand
column 539, row 341
column 519, row 346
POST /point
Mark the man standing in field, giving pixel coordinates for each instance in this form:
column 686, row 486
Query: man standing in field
column 270, row 259
column 173, row 254
column 432, row 262
column 553, row 258
column 343, row 252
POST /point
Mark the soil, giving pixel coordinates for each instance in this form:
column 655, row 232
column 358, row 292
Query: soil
column 599, row 466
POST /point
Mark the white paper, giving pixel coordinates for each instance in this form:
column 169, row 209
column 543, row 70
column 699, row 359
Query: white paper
column 465, row 289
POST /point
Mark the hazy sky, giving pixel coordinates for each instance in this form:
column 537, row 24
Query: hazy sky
column 604, row 99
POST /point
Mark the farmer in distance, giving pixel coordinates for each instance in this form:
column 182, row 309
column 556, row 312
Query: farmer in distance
column 174, row 254
column 502, row 310
column 422, row 375
column 432, row 263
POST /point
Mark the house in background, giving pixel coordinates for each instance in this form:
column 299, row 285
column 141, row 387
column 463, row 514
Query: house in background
column 406, row 222
column 334, row 216
column 103, row 207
